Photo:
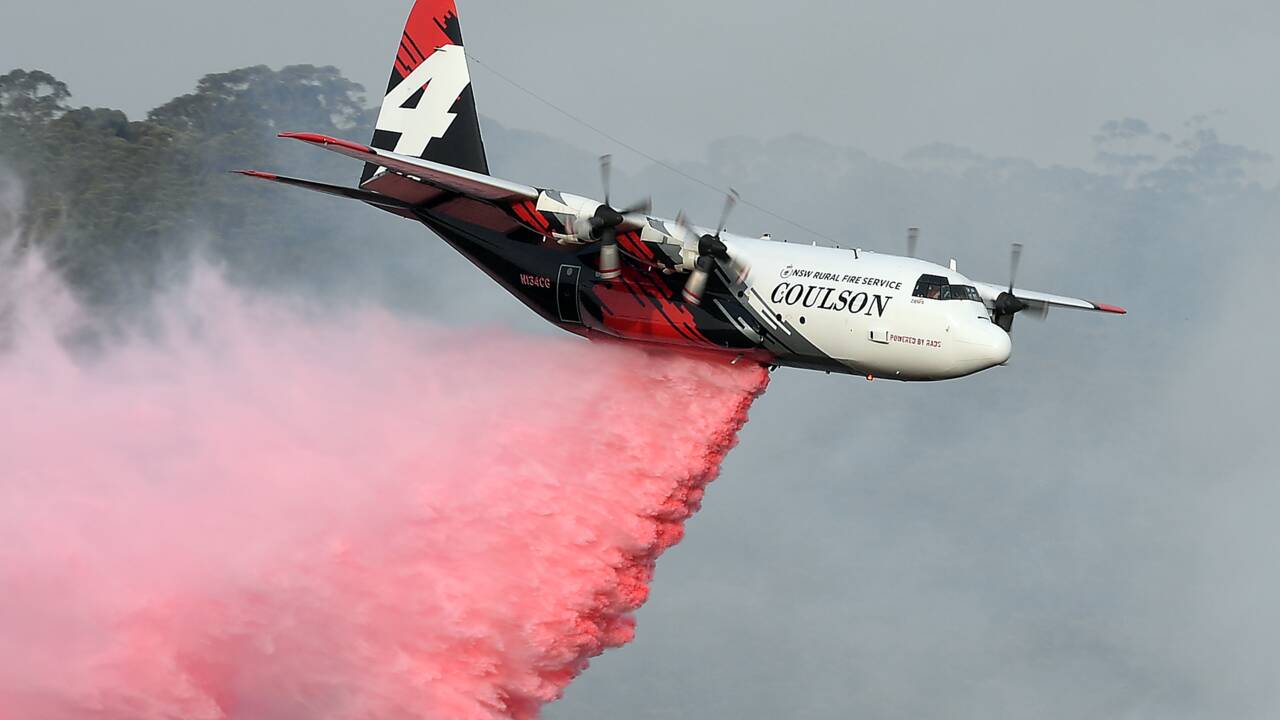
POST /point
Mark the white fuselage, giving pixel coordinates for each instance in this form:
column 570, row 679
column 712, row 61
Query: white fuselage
column 858, row 309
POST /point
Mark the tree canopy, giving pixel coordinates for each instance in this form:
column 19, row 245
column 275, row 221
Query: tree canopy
column 114, row 200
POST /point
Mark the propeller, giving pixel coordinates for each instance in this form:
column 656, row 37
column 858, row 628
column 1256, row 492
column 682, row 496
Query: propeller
column 711, row 249
column 913, row 241
column 1008, row 305
column 605, row 222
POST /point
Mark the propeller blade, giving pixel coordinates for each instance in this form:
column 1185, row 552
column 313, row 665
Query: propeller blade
column 913, row 241
column 645, row 207
column 713, row 246
column 691, row 236
column 610, row 256
column 1014, row 261
column 739, row 270
column 697, row 284
column 606, row 177
column 711, row 249
column 605, row 217
column 730, row 201
column 1005, row 308
column 1007, row 305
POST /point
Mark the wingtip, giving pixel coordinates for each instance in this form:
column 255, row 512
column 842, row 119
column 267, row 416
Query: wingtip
column 1114, row 310
column 323, row 140
column 256, row 174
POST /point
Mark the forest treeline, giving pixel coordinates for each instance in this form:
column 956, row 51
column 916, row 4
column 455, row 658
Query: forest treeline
column 118, row 204
column 113, row 201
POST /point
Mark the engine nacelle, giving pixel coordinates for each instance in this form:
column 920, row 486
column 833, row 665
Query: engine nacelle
column 573, row 211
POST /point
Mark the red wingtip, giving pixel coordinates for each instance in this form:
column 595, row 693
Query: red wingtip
column 257, row 174
column 1111, row 309
column 318, row 139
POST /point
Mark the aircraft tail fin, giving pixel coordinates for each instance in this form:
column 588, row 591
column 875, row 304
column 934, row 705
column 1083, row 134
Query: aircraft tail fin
column 429, row 110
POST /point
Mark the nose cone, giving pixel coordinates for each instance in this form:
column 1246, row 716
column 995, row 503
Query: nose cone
column 984, row 345
column 1001, row 346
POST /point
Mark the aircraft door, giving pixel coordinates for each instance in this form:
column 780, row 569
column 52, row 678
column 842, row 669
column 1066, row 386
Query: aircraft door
column 567, row 294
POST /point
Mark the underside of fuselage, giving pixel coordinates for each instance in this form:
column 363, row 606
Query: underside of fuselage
column 561, row 284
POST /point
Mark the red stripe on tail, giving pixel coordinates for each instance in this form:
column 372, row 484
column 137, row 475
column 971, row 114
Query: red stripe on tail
column 432, row 25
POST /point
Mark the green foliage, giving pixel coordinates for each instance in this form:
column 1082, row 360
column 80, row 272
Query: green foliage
column 116, row 203
column 257, row 98
column 32, row 96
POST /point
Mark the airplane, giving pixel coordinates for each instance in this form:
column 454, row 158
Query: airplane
column 602, row 271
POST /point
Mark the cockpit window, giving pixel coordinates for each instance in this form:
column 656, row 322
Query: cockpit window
column 930, row 286
column 936, row 287
column 961, row 292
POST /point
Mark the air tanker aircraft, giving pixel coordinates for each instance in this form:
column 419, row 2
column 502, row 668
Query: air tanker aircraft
column 602, row 271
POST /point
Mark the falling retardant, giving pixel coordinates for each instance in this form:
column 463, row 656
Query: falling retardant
column 263, row 512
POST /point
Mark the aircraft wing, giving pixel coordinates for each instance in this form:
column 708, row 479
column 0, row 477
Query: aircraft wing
column 443, row 177
column 1040, row 302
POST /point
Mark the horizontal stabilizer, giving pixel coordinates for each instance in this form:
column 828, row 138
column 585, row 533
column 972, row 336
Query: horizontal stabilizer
column 464, row 182
column 382, row 202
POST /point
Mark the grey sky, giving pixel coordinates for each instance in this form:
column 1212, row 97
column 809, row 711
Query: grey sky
column 1027, row 79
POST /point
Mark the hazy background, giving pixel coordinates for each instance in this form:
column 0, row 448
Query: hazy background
column 1086, row 533
column 1031, row 79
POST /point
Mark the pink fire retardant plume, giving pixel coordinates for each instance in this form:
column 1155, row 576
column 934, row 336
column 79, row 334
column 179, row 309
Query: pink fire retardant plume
column 264, row 513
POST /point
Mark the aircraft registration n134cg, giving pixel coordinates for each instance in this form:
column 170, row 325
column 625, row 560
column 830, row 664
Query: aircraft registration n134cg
column 618, row 272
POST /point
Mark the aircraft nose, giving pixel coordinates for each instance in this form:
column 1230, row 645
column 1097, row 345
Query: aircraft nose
column 1001, row 345
column 987, row 344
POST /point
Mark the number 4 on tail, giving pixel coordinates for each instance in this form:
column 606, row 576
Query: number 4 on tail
column 442, row 78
